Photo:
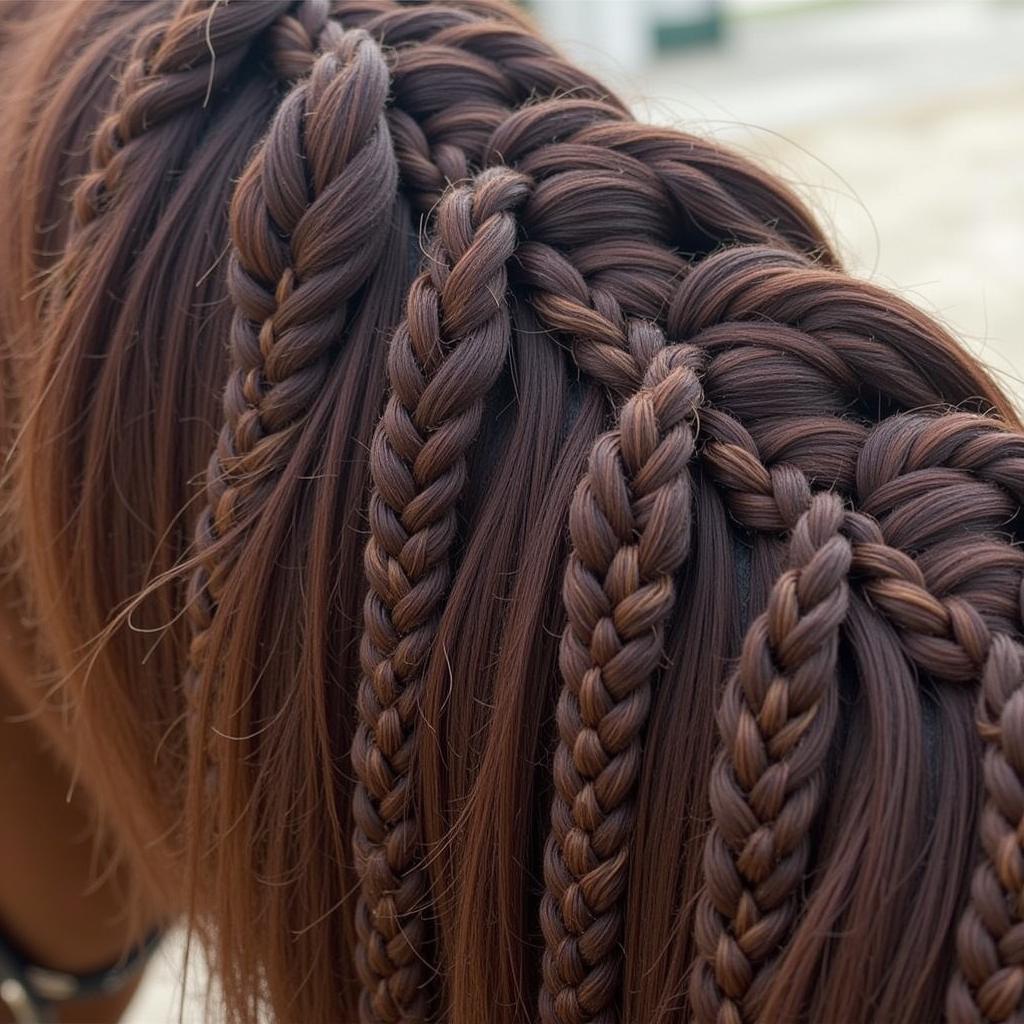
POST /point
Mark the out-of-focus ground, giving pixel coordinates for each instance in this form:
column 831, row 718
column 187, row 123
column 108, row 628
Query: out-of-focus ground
column 901, row 121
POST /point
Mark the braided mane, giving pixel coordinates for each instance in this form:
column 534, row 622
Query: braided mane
column 596, row 606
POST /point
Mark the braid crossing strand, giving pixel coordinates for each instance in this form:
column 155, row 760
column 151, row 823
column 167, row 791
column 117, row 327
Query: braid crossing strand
column 309, row 221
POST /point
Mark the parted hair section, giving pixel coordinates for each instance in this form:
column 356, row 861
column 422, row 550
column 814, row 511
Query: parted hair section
column 487, row 546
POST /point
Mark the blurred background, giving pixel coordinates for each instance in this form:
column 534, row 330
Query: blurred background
column 900, row 121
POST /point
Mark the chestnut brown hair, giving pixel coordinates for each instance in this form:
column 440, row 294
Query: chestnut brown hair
column 583, row 600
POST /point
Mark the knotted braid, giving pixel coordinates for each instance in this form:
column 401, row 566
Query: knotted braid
column 629, row 526
column 444, row 359
column 309, row 222
column 777, row 716
column 175, row 65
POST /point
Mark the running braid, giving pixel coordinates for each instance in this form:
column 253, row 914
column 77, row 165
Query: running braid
column 777, row 716
column 174, row 68
column 721, row 498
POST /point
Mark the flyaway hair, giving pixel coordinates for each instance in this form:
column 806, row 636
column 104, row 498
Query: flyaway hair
column 493, row 563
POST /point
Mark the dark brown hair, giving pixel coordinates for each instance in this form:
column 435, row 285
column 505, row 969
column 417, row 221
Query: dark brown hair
column 583, row 599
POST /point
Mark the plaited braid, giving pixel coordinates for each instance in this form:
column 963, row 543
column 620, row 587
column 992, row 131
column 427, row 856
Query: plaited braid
column 443, row 360
column 309, row 221
column 175, row 65
column 950, row 639
column 629, row 524
column 777, row 717
column 989, row 984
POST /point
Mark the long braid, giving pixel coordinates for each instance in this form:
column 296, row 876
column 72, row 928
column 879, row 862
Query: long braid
column 777, row 716
column 444, row 359
column 989, row 982
column 957, row 642
column 309, row 224
column 950, row 639
column 629, row 525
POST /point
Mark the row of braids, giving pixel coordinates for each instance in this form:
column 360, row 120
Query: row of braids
column 605, row 699
column 494, row 65
column 722, row 375
column 342, row 224
column 392, row 955
column 627, row 520
column 779, row 710
column 443, row 360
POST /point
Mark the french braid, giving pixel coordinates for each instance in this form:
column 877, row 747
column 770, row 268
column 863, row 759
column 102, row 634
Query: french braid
column 969, row 637
column 444, row 358
column 951, row 639
column 174, row 64
column 777, row 716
